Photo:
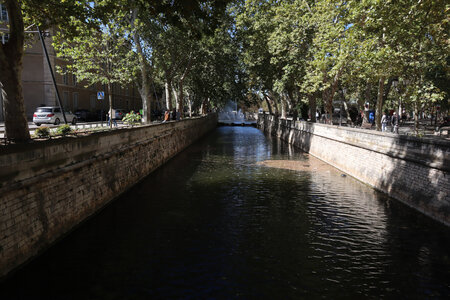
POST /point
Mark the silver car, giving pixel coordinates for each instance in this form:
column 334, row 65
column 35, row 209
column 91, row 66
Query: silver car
column 52, row 115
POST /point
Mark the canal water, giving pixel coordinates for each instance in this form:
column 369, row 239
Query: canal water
column 241, row 215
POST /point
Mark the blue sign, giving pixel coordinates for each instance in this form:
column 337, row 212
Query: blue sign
column 101, row 95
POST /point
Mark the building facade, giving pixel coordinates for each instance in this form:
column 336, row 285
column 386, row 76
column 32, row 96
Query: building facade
column 38, row 88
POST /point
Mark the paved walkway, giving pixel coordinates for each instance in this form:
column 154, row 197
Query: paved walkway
column 425, row 130
column 79, row 125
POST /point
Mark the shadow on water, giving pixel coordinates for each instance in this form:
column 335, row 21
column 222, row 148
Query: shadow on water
column 417, row 240
column 212, row 223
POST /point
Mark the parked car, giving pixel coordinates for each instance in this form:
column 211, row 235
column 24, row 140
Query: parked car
column 52, row 115
column 85, row 115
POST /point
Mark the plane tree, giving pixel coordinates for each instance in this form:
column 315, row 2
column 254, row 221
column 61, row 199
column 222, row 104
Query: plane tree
column 254, row 28
column 290, row 45
column 27, row 14
column 98, row 54
column 216, row 77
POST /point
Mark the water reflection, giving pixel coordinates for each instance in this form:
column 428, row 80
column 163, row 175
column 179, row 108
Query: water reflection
column 216, row 223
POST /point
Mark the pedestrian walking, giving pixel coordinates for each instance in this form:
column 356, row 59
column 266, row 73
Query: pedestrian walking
column 395, row 122
column 111, row 119
column 371, row 117
column 384, row 122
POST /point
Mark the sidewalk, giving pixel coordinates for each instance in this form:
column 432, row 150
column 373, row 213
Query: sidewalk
column 80, row 125
column 425, row 130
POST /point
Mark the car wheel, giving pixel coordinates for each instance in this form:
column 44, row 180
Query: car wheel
column 57, row 121
column 37, row 124
column 74, row 121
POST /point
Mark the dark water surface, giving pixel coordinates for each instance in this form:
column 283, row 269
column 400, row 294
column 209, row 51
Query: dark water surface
column 213, row 224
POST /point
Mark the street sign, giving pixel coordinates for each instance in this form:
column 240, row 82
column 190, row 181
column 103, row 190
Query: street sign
column 100, row 95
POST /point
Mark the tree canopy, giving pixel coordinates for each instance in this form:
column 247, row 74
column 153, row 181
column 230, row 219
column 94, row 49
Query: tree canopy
column 289, row 56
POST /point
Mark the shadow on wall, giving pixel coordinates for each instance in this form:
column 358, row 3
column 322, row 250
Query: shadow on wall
column 412, row 170
column 300, row 134
column 421, row 184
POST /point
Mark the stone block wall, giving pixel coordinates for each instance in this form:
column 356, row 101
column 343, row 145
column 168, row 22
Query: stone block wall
column 49, row 187
column 412, row 170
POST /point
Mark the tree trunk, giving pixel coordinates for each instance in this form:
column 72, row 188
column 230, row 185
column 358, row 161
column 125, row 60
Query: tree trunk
column 269, row 106
column 146, row 98
column 181, row 82
column 328, row 94
column 416, row 117
column 168, row 88
column 274, row 104
column 312, row 107
column 175, row 95
column 283, row 107
column 190, row 105
column 349, row 119
column 204, row 107
column 379, row 108
column 328, row 103
column 11, row 55
column 292, row 105
column 145, row 80
column 180, row 100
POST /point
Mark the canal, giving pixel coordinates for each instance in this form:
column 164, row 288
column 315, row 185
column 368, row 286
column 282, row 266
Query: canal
column 242, row 215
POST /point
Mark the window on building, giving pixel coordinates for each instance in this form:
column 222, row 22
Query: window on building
column 93, row 99
column 74, row 79
column 65, row 99
column 3, row 13
column 75, row 101
column 65, row 79
column 4, row 38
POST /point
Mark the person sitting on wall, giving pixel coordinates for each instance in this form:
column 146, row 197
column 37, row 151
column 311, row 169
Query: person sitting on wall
column 166, row 116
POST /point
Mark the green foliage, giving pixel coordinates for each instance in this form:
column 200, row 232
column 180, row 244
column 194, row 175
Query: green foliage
column 64, row 130
column 301, row 47
column 249, row 50
column 132, row 118
column 42, row 132
column 100, row 54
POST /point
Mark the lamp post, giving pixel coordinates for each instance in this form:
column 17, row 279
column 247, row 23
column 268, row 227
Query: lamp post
column 44, row 48
column 41, row 37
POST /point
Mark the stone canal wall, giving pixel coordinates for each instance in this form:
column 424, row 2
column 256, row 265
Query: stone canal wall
column 47, row 188
column 412, row 170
